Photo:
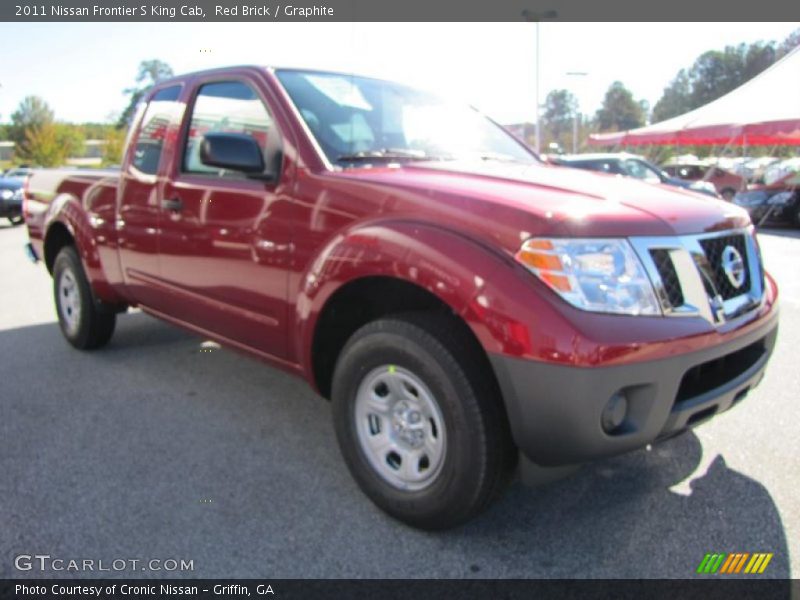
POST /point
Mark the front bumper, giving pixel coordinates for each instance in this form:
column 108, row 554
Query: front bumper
column 556, row 412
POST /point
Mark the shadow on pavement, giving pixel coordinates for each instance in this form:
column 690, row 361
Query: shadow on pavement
column 620, row 516
column 110, row 452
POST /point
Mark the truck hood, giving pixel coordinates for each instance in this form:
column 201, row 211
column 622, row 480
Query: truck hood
column 561, row 200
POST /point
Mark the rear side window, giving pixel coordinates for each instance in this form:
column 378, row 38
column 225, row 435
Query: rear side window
column 162, row 113
column 230, row 107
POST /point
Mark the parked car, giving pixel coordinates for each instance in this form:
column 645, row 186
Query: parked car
column 11, row 200
column 462, row 304
column 726, row 184
column 754, row 169
column 778, row 199
column 630, row 165
column 21, row 173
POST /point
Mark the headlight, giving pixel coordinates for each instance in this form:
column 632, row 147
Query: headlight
column 18, row 194
column 781, row 198
column 6, row 194
column 600, row 275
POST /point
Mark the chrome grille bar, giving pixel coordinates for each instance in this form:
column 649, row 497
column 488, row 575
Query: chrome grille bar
column 697, row 278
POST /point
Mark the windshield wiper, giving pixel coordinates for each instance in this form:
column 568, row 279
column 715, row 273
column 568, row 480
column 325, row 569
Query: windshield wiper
column 386, row 154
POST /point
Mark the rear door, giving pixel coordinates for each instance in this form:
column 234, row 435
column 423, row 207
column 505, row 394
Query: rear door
column 140, row 188
column 225, row 238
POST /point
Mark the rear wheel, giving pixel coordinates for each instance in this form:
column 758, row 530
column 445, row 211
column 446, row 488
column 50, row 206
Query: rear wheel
column 84, row 326
column 420, row 421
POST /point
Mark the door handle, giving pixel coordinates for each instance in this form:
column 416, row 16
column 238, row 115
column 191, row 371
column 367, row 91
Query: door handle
column 173, row 204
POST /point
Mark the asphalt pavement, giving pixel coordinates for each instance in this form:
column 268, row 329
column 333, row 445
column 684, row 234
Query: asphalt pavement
column 160, row 448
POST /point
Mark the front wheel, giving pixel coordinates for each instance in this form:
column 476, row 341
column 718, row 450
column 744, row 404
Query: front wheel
column 420, row 422
column 84, row 326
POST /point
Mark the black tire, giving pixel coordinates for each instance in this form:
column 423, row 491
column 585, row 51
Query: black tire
column 728, row 194
column 479, row 455
column 19, row 220
column 86, row 328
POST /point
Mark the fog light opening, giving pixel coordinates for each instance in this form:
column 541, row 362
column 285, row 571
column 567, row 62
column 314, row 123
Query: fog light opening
column 614, row 414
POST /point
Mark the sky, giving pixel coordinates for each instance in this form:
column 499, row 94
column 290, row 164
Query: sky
column 80, row 69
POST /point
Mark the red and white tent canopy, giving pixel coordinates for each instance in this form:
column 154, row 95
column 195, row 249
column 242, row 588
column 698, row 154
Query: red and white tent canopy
column 763, row 111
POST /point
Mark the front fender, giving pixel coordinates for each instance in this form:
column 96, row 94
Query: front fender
column 482, row 285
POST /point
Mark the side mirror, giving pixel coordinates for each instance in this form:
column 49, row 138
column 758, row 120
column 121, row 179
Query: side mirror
column 233, row 151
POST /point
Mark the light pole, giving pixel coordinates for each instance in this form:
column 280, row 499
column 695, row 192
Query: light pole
column 536, row 17
column 577, row 112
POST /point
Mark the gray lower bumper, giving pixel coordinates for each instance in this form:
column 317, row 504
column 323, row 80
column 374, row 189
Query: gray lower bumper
column 556, row 411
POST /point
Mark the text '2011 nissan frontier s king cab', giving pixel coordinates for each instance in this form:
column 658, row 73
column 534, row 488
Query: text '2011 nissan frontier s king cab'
column 464, row 306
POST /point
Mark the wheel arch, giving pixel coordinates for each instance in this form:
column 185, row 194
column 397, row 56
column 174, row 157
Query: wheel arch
column 68, row 223
column 400, row 267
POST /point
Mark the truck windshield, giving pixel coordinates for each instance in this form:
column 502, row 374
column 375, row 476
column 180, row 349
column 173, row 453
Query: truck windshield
column 358, row 120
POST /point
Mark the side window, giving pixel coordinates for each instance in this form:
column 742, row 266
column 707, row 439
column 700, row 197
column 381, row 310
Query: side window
column 230, row 107
column 162, row 112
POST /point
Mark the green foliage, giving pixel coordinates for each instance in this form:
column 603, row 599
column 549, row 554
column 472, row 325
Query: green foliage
column 717, row 72
column 791, row 42
column 619, row 110
column 115, row 145
column 70, row 138
column 41, row 146
column 150, row 73
column 95, row 131
column 32, row 112
column 560, row 111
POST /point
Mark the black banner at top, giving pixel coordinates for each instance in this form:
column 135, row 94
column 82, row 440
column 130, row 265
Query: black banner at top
column 398, row 10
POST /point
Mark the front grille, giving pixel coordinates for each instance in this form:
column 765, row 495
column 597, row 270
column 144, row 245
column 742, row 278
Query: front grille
column 669, row 277
column 713, row 248
column 689, row 278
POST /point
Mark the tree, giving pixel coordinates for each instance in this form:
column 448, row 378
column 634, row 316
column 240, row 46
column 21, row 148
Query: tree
column 71, row 139
column 41, row 146
column 619, row 110
column 150, row 73
column 791, row 42
column 717, row 72
column 560, row 110
column 115, row 144
column 32, row 112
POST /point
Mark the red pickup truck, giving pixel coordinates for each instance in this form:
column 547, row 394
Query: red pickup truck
column 464, row 306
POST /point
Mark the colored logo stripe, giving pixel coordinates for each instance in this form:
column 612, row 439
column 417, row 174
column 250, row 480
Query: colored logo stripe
column 710, row 563
column 733, row 563
column 758, row 563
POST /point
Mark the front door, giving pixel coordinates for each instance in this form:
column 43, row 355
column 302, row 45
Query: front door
column 225, row 245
